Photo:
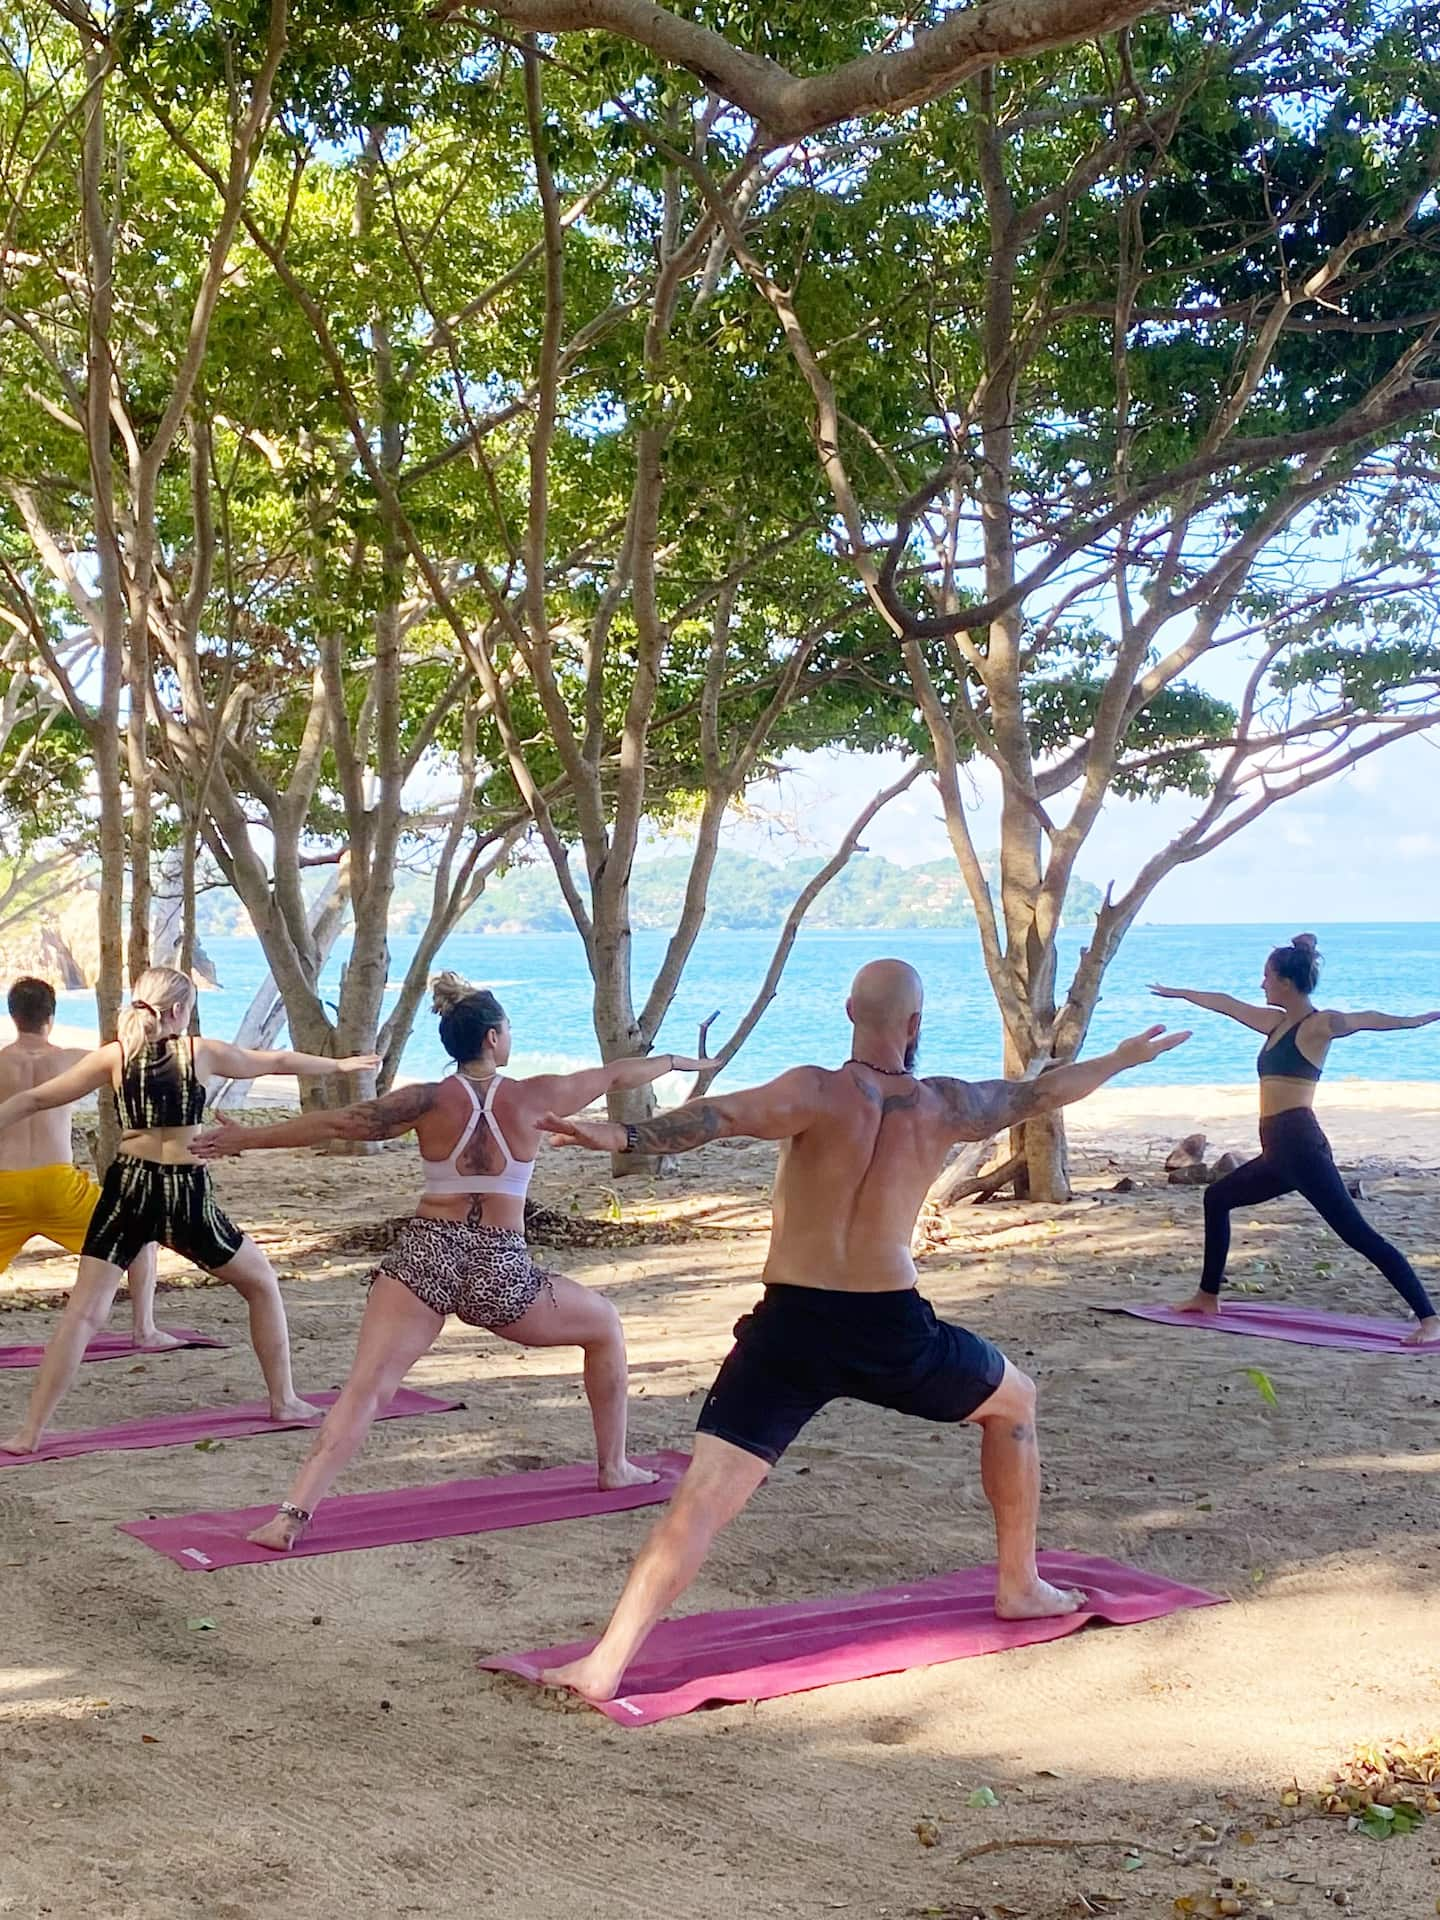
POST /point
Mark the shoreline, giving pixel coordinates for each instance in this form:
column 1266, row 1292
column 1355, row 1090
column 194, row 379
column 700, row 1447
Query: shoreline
column 1373, row 1120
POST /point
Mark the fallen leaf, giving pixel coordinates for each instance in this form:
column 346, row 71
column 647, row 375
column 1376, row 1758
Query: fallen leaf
column 927, row 1832
column 1263, row 1385
column 983, row 1797
column 201, row 1626
column 149, row 1739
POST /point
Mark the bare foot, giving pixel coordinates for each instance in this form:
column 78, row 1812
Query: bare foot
column 1427, row 1334
column 156, row 1340
column 1038, row 1601
column 587, row 1677
column 21, row 1443
column 627, row 1474
column 1201, row 1303
column 295, row 1409
column 279, row 1533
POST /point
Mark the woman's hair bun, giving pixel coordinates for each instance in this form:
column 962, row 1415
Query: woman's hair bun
column 447, row 990
column 1306, row 942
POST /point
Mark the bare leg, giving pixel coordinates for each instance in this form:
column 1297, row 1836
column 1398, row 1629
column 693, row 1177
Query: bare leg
column 253, row 1278
column 141, row 1282
column 1010, row 1475
column 571, row 1315
column 396, row 1329
column 720, row 1480
column 86, row 1311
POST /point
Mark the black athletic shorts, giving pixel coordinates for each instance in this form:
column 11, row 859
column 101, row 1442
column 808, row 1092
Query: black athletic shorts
column 143, row 1201
column 805, row 1346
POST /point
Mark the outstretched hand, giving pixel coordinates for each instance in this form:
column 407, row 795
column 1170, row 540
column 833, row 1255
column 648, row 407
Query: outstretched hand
column 600, row 1136
column 360, row 1063
column 687, row 1063
column 225, row 1139
column 1141, row 1048
column 1167, row 993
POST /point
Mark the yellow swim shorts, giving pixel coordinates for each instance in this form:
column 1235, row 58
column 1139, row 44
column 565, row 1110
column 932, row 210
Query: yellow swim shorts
column 54, row 1202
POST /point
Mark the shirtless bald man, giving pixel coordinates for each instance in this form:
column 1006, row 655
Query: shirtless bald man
column 42, row 1192
column 841, row 1316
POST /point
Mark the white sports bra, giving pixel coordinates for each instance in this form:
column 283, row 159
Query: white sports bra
column 443, row 1177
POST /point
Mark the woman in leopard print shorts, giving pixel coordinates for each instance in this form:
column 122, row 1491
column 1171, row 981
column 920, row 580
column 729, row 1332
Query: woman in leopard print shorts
column 464, row 1250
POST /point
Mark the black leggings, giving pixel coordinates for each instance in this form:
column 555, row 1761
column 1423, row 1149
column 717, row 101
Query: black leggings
column 1295, row 1157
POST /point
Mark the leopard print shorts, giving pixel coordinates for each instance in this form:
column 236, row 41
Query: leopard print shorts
column 483, row 1274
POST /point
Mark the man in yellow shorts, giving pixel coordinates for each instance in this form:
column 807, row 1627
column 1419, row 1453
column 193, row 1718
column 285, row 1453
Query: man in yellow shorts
column 42, row 1191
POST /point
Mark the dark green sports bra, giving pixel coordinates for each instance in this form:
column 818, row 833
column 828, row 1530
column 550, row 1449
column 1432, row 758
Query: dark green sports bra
column 1281, row 1058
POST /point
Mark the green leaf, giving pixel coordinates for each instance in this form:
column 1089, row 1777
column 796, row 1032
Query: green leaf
column 983, row 1797
column 1263, row 1385
column 200, row 1625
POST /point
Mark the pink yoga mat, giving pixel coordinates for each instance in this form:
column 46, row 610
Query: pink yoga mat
column 112, row 1346
column 1301, row 1326
column 209, row 1423
column 758, row 1653
column 201, row 1542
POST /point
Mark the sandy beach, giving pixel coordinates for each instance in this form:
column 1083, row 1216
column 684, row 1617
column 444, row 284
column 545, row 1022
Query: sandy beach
column 328, row 1744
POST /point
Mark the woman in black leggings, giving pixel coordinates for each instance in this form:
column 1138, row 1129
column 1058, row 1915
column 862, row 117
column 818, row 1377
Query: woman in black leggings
column 1294, row 1154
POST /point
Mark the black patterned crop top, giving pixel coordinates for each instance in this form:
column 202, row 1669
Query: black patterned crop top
column 159, row 1087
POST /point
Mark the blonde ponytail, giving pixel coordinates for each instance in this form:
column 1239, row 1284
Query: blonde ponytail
column 155, row 996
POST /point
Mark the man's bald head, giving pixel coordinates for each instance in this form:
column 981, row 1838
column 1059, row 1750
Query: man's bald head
column 886, row 996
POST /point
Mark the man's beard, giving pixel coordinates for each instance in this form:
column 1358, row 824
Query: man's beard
column 912, row 1054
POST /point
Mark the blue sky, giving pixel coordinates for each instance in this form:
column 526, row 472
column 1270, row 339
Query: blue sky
column 1364, row 847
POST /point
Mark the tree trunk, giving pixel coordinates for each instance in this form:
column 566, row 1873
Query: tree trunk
column 1046, row 1172
column 99, row 238
column 618, row 1032
column 1045, row 1175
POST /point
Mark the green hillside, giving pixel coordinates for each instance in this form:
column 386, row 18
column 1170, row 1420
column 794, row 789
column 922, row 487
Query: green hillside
column 746, row 893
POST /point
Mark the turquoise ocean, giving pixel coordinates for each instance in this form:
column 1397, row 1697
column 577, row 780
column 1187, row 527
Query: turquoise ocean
column 542, row 980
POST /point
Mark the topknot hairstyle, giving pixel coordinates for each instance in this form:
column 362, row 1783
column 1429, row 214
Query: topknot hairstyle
column 467, row 1014
column 1299, row 963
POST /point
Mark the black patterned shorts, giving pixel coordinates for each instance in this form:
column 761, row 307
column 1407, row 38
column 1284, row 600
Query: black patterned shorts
column 482, row 1274
column 145, row 1200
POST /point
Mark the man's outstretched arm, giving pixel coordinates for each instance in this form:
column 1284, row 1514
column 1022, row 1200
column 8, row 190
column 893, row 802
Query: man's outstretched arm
column 777, row 1111
column 981, row 1108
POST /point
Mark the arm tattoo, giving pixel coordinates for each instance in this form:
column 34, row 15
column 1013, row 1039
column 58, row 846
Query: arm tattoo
column 394, row 1112
column 979, row 1108
column 681, row 1130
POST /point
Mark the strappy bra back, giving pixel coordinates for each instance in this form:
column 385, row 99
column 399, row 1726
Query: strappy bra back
column 444, row 1178
column 1281, row 1058
column 160, row 1088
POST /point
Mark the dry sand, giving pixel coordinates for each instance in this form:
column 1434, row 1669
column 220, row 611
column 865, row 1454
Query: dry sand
column 329, row 1749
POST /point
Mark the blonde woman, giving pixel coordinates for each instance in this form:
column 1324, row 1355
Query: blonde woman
column 156, row 1190
column 463, row 1251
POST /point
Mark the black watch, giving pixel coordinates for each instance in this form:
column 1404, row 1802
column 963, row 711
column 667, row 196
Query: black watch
column 632, row 1139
